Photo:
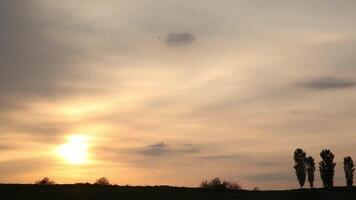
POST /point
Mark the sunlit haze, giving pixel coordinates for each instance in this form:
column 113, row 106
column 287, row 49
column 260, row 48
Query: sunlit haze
column 75, row 151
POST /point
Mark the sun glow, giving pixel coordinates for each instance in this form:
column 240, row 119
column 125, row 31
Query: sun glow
column 75, row 151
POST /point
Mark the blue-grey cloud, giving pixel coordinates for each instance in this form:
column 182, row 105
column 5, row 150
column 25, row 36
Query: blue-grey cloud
column 180, row 39
column 152, row 150
column 162, row 149
column 156, row 149
column 327, row 83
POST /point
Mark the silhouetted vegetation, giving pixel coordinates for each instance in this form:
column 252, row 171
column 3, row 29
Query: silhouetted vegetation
column 327, row 168
column 45, row 181
column 349, row 169
column 94, row 192
column 300, row 165
column 102, row 181
column 86, row 183
column 310, row 171
column 217, row 184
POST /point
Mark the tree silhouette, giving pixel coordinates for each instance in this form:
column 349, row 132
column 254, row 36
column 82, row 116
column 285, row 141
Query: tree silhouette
column 231, row 185
column 300, row 165
column 45, row 181
column 102, row 181
column 310, row 170
column 349, row 169
column 217, row 184
column 327, row 168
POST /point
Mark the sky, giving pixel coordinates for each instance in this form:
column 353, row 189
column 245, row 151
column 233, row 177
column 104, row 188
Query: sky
column 172, row 92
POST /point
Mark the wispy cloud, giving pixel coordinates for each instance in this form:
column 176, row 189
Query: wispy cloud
column 274, row 176
column 156, row 149
column 327, row 83
column 5, row 147
column 161, row 149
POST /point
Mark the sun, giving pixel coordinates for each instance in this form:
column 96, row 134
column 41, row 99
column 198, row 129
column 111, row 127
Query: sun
column 75, row 151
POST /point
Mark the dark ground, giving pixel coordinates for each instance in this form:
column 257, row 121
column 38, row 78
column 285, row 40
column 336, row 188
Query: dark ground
column 68, row 192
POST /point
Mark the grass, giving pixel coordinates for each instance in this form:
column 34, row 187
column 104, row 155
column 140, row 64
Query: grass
column 83, row 191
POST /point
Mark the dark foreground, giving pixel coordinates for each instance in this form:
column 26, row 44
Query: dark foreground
column 78, row 192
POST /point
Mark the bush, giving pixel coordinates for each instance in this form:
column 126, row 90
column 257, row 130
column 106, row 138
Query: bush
column 217, row 184
column 102, row 181
column 45, row 181
column 231, row 185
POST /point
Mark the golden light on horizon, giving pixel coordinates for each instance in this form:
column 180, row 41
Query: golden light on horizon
column 75, row 151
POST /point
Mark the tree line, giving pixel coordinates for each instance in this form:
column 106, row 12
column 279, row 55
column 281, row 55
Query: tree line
column 48, row 181
column 305, row 167
column 214, row 184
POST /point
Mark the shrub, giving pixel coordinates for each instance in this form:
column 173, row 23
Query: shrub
column 45, row 181
column 217, row 184
column 231, row 185
column 102, row 181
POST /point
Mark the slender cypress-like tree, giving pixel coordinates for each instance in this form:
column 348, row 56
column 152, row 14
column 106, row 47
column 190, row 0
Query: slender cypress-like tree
column 300, row 165
column 349, row 169
column 310, row 170
column 327, row 168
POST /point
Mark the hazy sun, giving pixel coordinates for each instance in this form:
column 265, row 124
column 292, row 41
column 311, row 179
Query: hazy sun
column 75, row 151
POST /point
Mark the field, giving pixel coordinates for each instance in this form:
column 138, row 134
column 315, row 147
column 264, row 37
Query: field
column 82, row 191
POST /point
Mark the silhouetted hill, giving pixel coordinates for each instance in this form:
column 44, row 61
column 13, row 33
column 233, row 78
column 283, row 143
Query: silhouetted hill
column 82, row 191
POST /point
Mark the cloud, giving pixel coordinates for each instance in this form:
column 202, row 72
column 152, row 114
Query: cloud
column 10, row 105
column 24, row 165
column 272, row 176
column 219, row 157
column 149, row 156
column 187, row 148
column 312, row 113
column 30, row 58
column 152, row 150
column 41, row 130
column 327, row 83
column 179, row 39
column 5, row 147
column 41, row 51
column 160, row 149
column 156, row 149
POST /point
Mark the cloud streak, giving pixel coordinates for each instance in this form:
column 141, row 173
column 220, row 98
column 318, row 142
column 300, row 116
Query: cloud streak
column 327, row 83
column 163, row 149
column 275, row 176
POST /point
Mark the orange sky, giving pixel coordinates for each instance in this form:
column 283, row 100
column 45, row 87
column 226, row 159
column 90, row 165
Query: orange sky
column 174, row 92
